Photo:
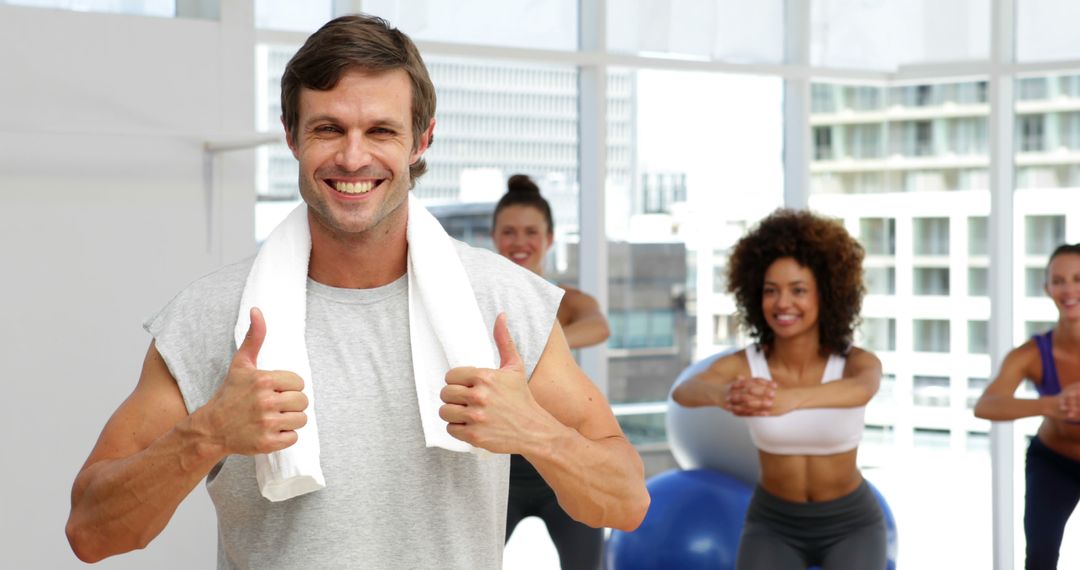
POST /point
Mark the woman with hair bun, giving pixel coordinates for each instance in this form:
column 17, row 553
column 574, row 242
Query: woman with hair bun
column 523, row 230
column 803, row 387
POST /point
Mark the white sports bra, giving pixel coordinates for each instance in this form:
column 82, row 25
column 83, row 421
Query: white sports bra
column 814, row 431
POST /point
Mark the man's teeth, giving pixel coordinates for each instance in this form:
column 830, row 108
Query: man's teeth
column 519, row 255
column 353, row 187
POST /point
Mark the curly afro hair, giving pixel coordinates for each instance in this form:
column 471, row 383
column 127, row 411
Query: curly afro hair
column 815, row 242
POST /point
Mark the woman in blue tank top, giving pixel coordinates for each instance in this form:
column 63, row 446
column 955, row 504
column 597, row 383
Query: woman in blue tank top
column 797, row 282
column 523, row 231
column 1052, row 362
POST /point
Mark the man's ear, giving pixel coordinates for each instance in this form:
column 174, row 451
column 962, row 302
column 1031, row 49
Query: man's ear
column 425, row 141
column 289, row 139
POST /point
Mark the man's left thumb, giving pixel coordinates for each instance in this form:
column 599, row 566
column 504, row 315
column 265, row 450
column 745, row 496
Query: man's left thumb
column 508, row 354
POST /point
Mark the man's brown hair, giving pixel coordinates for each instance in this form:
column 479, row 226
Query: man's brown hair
column 364, row 42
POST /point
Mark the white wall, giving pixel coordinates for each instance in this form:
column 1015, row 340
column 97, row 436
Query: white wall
column 104, row 215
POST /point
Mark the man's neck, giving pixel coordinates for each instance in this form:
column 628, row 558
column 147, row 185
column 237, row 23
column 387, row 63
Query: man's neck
column 360, row 261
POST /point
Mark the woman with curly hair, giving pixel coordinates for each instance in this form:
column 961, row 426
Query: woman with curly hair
column 1051, row 361
column 803, row 387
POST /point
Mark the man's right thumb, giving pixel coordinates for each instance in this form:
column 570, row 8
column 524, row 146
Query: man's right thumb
column 248, row 352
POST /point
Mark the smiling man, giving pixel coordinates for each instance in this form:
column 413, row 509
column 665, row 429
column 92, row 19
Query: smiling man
column 358, row 111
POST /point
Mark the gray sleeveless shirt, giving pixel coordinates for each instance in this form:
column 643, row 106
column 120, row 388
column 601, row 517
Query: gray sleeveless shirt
column 390, row 502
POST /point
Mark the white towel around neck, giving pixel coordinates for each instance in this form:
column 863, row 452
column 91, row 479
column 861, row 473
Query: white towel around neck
column 446, row 331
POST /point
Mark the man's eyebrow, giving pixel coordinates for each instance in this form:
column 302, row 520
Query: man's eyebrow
column 328, row 118
column 324, row 118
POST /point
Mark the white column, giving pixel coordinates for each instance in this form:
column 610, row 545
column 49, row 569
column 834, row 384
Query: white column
column 1001, row 270
column 797, row 105
column 233, row 197
column 592, row 174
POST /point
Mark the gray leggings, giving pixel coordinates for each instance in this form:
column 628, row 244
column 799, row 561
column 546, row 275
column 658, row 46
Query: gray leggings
column 848, row 532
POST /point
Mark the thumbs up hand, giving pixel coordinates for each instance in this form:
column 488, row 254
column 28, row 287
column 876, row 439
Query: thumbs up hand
column 255, row 411
column 493, row 409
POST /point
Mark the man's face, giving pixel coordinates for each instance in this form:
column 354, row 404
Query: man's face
column 355, row 144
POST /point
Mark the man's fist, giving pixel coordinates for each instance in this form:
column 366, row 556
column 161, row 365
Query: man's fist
column 256, row 411
column 492, row 409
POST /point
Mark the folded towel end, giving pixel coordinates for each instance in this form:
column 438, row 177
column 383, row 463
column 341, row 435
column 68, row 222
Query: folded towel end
column 283, row 489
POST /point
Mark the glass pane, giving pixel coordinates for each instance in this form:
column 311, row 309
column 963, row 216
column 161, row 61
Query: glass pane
column 672, row 217
column 878, row 235
column 931, row 281
column 880, row 280
column 931, row 236
column 931, row 335
column 978, row 282
column 931, row 391
column 926, row 259
column 878, row 334
column 292, row 16
column 978, row 337
column 1045, row 199
column 886, row 35
column 927, row 137
column 978, row 235
column 1046, row 31
column 159, row 8
column 1043, row 233
column 551, row 24
column 645, row 429
column 722, row 30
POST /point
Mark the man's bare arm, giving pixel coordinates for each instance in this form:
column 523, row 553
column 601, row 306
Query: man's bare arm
column 596, row 473
column 147, row 460
column 559, row 421
column 151, row 453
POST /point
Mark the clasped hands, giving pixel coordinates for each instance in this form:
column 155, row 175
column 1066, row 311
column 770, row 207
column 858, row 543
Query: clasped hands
column 1067, row 403
column 756, row 397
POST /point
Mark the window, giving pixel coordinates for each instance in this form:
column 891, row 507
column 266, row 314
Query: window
column 1031, row 88
column 823, row 143
column 978, row 337
column 924, row 139
column 978, row 281
column 720, row 30
column 863, row 141
column 657, row 308
column 1031, row 133
column 879, row 334
column 1034, row 280
column 931, row 281
column 641, row 329
column 931, row 236
column 878, row 235
column 931, row 335
column 1043, row 233
column 978, row 234
column 1032, row 328
column 931, row 391
column 158, row 8
column 727, row 330
column 880, row 280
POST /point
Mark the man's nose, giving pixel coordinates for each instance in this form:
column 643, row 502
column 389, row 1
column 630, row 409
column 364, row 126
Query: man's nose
column 355, row 152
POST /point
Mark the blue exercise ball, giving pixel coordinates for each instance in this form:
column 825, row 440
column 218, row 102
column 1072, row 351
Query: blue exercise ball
column 891, row 538
column 694, row 522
